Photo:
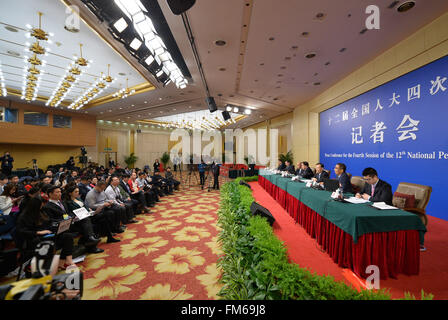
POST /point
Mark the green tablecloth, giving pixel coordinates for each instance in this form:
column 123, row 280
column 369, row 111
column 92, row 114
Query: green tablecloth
column 354, row 219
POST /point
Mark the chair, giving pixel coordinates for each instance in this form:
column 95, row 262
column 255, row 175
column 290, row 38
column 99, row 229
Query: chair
column 421, row 193
column 329, row 172
column 349, row 176
column 314, row 170
column 357, row 183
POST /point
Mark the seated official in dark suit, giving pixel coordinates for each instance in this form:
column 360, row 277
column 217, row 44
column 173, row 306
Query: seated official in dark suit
column 289, row 167
column 281, row 165
column 321, row 174
column 344, row 180
column 375, row 190
column 306, row 171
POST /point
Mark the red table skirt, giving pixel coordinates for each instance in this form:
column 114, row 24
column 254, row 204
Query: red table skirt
column 393, row 252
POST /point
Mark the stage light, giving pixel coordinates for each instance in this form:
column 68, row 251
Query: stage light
column 120, row 25
column 135, row 44
column 158, row 74
column 229, row 109
column 247, row 111
column 236, row 109
column 149, row 60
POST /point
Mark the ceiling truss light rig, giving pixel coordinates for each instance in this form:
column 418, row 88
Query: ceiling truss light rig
column 168, row 70
column 124, row 93
column 72, row 75
column 101, row 84
column 31, row 74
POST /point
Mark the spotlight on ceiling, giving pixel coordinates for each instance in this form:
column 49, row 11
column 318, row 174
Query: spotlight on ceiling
column 180, row 6
column 120, row 25
column 247, row 111
column 228, row 108
column 226, row 115
column 135, row 44
column 236, row 109
column 211, row 104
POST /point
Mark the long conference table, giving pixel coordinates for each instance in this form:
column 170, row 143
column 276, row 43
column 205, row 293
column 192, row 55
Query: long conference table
column 354, row 235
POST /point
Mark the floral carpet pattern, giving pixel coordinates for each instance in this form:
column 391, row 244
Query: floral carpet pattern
column 170, row 254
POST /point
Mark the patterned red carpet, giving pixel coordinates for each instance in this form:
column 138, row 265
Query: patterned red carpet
column 170, row 254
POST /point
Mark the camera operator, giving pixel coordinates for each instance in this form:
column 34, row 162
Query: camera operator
column 201, row 168
column 7, row 161
column 215, row 170
column 70, row 164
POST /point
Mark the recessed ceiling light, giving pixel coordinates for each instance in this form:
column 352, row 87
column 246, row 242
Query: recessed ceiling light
column 328, row 63
column 279, row 75
column 316, row 74
column 13, row 53
column 294, row 47
column 316, row 83
column 305, row 34
column 406, row 6
column 343, row 49
column 11, row 29
column 271, row 39
column 363, row 31
column 146, row 101
column 222, row 69
column 283, row 67
column 310, row 55
column 287, row 58
column 262, row 64
column 220, row 43
column 121, row 73
column 320, row 16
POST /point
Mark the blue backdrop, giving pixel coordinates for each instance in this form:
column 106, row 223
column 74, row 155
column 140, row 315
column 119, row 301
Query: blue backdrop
column 399, row 128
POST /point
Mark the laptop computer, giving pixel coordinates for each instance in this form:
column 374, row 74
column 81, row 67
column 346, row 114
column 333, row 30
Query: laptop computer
column 331, row 184
column 64, row 225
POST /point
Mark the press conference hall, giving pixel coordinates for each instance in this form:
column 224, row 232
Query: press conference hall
column 239, row 150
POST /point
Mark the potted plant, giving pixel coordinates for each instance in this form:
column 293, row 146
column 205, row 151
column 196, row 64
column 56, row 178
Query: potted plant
column 286, row 157
column 165, row 159
column 131, row 160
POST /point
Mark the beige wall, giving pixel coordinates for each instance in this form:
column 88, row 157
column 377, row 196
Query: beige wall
column 426, row 45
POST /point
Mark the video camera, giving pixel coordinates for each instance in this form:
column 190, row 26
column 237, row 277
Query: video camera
column 44, row 283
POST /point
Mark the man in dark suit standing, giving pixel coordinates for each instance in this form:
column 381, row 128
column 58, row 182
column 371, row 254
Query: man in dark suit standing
column 7, row 161
column 306, row 172
column 344, row 180
column 215, row 170
column 321, row 174
column 289, row 167
column 375, row 190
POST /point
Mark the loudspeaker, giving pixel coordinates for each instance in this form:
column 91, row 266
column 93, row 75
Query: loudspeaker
column 258, row 209
column 180, row 6
column 226, row 115
column 211, row 104
column 244, row 183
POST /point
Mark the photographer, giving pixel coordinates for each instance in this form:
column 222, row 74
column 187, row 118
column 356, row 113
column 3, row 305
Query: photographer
column 201, row 169
column 7, row 161
column 70, row 164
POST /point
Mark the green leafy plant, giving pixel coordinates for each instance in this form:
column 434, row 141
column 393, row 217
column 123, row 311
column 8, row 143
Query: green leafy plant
column 286, row 157
column 131, row 160
column 165, row 159
column 255, row 264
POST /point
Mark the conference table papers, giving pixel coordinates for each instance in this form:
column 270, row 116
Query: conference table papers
column 356, row 200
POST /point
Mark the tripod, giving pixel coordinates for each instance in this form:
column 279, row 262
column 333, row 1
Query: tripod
column 209, row 179
column 190, row 173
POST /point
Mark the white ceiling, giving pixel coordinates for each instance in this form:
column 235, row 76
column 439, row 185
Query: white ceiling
column 251, row 77
column 23, row 12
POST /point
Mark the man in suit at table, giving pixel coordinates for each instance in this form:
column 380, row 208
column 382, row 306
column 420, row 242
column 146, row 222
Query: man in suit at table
column 344, row 180
column 306, row 171
column 321, row 174
column 281, row 165
column 375, row 190
column 289, row 167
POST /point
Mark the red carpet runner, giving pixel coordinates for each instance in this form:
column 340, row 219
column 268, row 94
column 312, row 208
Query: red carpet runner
column 305, row 251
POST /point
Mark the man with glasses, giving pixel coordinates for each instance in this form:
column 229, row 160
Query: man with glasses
column 375, row 190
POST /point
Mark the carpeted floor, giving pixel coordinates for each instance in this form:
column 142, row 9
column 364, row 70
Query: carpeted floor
column 305, row 251
column 170, row 254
